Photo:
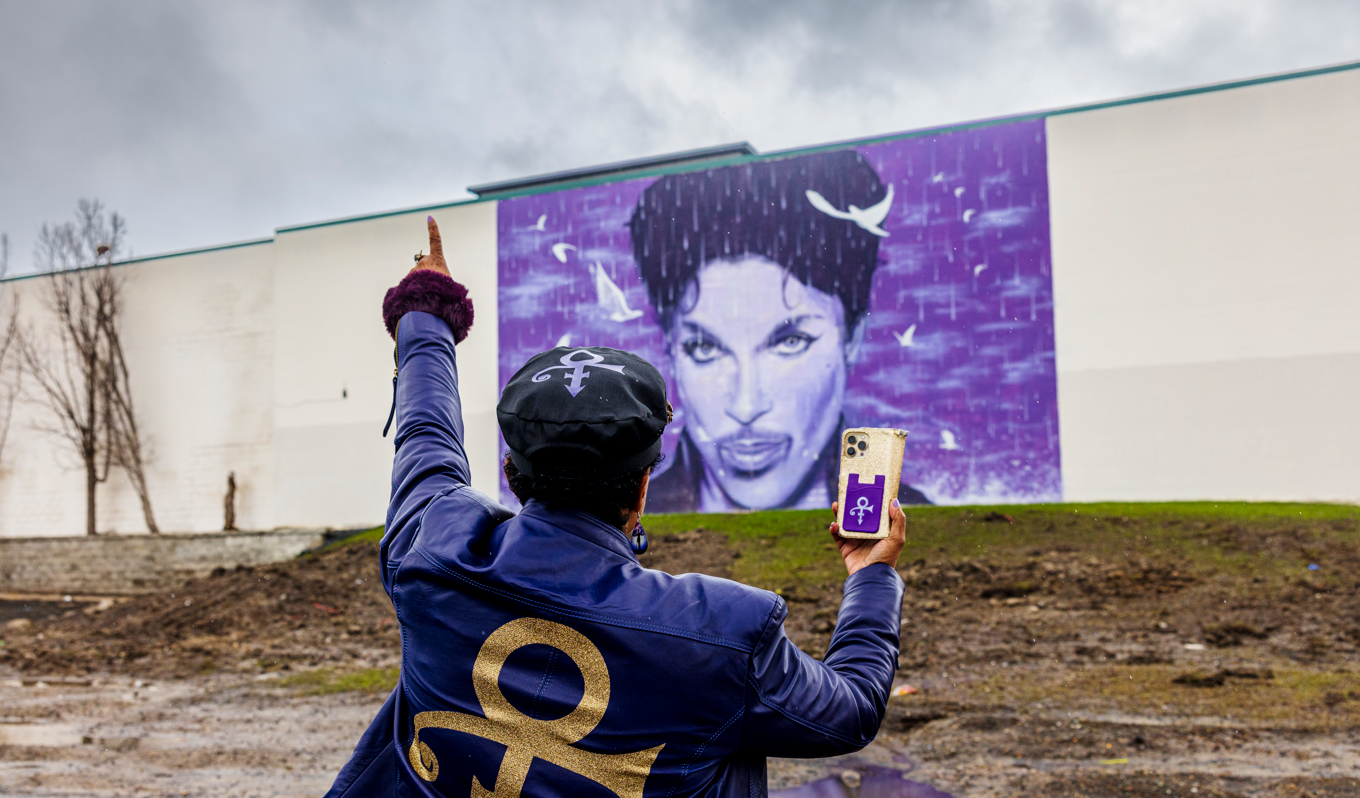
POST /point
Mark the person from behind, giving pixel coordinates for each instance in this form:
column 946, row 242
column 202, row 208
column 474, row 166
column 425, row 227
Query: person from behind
column 538, row 657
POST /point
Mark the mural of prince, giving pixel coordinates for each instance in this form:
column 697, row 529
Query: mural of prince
column 905, row 283
column 761, row 284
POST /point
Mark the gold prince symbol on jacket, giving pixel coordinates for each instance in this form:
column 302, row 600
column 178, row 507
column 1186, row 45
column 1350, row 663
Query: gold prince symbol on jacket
column 526, row 738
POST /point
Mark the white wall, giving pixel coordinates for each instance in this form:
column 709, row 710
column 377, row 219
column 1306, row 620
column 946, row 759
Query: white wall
column 269, row 360
column 1207, row 293
column 198, row 335
column 334, row 466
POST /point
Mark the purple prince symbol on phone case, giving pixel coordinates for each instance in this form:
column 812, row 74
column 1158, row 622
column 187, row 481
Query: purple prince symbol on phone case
column 863, row 503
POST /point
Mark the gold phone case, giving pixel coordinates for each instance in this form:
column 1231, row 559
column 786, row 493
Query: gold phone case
column 871, row 472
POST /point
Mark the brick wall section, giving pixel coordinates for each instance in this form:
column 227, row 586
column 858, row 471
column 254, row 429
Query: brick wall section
column 118, row 564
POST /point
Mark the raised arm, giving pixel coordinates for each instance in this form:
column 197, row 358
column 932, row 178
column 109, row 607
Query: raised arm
column 427, row 313
column 799, row 707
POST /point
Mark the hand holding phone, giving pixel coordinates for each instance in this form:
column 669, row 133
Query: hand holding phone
column 870, row 526
column 859, row 553
column 871, row 473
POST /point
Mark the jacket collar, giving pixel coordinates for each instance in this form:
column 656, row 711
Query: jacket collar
column 582, row 525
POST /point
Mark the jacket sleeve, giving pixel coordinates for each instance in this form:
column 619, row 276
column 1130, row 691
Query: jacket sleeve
column 427, row 314
column 799, row 707
column 371, row 770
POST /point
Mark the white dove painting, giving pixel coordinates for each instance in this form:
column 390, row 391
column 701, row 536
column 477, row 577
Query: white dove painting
column 559, row 251
column 867, row 218
column 610, row 297
column 947, row 441
column 905, row 337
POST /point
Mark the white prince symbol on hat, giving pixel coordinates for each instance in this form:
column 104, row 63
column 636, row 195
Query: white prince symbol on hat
column 577, row 369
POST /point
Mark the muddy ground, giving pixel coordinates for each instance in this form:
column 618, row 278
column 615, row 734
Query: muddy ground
column 1060, row 669
column 309, row 611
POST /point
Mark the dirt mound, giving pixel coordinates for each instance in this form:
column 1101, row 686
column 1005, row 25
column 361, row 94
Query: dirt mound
column 1142, row 784
column 699, row 551
column 320, row 608
column 1053, row 604
column 314, row 610
column 1053, row 573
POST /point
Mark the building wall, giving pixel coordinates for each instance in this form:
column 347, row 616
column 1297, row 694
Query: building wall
column 333, row 465
column 268, row 360
column 198, row 334
column 1206, row 288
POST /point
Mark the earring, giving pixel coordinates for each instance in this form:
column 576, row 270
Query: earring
column 639, row 539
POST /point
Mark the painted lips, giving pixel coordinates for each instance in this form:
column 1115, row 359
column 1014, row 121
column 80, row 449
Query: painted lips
column 750, row 453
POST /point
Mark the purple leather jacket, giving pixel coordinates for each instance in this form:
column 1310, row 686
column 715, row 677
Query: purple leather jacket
column 539, row 658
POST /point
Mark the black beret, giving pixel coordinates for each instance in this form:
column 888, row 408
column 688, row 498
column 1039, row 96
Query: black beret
column 584, row 411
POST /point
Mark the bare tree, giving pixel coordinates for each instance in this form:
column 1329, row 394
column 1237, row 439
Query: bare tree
column 10, row 374
column 84, row 382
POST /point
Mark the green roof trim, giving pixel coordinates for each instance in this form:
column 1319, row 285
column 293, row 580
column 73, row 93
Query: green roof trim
column 382, row 215
column 674, row 159
column 147, row 259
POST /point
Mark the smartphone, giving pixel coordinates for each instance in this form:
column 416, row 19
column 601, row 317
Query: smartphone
column 871, row 472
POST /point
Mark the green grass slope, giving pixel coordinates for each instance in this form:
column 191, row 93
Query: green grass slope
column 785, row 549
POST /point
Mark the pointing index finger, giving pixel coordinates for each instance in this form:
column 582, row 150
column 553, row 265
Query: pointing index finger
column 436, row 243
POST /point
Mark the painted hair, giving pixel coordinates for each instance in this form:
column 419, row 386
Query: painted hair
column 684, row 221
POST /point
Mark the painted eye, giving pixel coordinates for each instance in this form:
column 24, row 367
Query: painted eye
column 794, row 344
column 702, row 351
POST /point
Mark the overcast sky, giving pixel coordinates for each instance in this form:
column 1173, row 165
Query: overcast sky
column 210, row 122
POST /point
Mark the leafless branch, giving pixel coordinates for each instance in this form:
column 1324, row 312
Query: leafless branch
column 85, row 382
column 125, row 441
column 11, row 374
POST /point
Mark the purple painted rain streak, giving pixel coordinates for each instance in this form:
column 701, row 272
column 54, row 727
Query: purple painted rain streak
column 959, row 345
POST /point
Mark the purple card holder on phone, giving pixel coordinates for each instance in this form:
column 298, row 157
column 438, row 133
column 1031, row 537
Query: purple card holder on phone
column 863, row 504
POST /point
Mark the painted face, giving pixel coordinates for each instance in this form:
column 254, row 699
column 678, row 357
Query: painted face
column 760, row 367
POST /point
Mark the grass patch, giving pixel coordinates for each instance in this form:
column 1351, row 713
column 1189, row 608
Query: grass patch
column 780, row 550
column 324, row 681
column 367, row 536
column 784, row 549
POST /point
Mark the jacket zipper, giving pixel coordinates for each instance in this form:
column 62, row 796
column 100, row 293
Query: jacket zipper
column 396, row 362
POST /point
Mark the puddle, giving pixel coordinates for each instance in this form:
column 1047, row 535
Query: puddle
column 863, row 782
column 41, row 734
column 48, row 681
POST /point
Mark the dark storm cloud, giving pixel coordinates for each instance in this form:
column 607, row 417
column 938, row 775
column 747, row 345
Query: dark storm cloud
column 207, row 122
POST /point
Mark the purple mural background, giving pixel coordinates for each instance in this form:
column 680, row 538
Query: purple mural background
column 959, row 347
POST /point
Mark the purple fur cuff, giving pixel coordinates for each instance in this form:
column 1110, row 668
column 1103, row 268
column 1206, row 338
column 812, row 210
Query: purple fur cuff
column 433, row 293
